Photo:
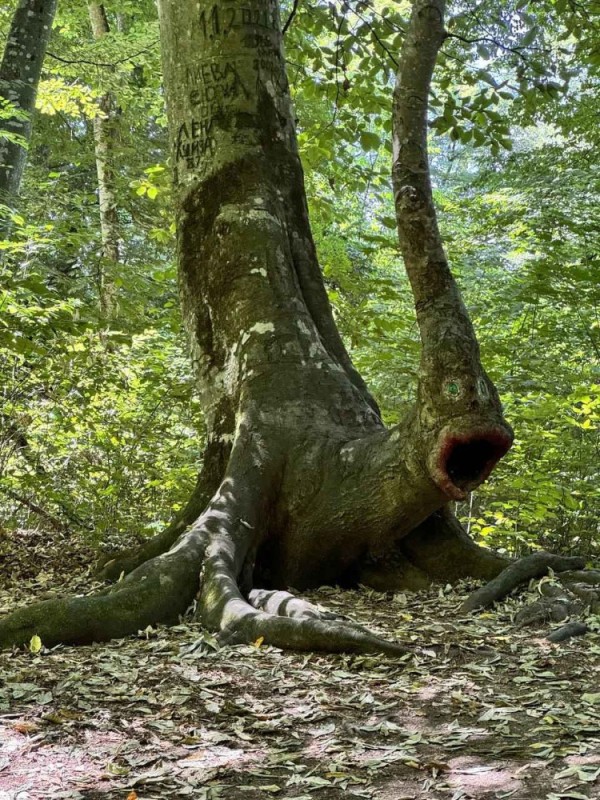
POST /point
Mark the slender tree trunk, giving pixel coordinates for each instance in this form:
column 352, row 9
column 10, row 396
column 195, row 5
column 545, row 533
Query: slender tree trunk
column 105, row 132
column 302, row 483
column 19, row 78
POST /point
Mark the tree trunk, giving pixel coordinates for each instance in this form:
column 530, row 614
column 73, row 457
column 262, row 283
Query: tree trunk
column 303, row 484
column 105, row 129
column 19, row 78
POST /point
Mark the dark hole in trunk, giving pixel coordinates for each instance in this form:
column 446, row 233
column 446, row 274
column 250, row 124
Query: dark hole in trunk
column 471, row 462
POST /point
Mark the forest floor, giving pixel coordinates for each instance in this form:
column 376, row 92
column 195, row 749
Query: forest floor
column 503, row 713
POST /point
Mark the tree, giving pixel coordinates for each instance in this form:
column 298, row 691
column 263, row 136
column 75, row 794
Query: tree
column 19, row 78
column 105, row 123
column 302, row 483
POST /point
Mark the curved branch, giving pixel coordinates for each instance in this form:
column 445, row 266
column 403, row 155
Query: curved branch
column 290, row 19
column 437, row 298
column 420, row 238
column 459, row 408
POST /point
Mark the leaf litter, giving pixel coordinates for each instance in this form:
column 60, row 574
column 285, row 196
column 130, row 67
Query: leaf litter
column 483, row 709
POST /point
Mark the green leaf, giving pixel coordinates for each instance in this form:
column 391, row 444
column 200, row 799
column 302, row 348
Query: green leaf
column 370, row 141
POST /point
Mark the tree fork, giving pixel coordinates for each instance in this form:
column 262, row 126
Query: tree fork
column 267, row 169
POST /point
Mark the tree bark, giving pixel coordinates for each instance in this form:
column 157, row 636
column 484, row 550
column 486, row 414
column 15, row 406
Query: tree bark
column 19, row 79
column 105, row 130
column 303, row 484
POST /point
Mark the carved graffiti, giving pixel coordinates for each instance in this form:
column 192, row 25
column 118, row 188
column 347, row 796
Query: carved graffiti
column 267, row 61
column 194, row 141
column 214, row 86
column 216, row 21
column 228, row 78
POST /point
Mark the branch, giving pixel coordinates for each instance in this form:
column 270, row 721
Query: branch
column 53, row 521
column 515, row 50
column 377, row 38
column 106, row 64
column 290, row 19
column 420, row 239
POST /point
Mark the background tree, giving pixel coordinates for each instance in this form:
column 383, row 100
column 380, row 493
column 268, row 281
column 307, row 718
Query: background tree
column 19, row 78
column 105, row 132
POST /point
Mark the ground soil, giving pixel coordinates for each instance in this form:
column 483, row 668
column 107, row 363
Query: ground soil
column 483, row 710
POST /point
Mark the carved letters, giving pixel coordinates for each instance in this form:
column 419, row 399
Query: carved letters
column 213, row 86
column 193, row 142
column 228, row 76
column 219, row 22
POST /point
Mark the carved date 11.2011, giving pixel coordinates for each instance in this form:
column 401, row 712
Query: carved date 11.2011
column 220, row 21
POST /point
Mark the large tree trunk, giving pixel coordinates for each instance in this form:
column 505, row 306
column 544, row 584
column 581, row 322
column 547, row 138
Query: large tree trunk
column 19, row 78
column 105, row 128
column 302, row 483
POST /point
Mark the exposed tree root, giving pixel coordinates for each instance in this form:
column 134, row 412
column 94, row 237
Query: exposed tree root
column 114, row 567
column 285, row 604
column 277, row 618
column 532, row 566
column 573, row 597
column 568, row 631
column 556, row 605
column 587, row 576
column 206, row 561
column 342, row 634
column 439, row 550
column 158, row 591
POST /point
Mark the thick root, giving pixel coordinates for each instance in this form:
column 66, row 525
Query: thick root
column 574, row 597
column 211, row 557
column 439, row 550
column 113, row 568
column 567, row 632
column 533, row 566
column 307, row 634
column 285, row 604
column 278, row 618
column 556, row 606
column 587, row 576
column 129, row 560
column 158, row 591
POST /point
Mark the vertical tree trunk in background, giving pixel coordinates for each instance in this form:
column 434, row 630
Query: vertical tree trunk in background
column 19, row 79
column 105, row 129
